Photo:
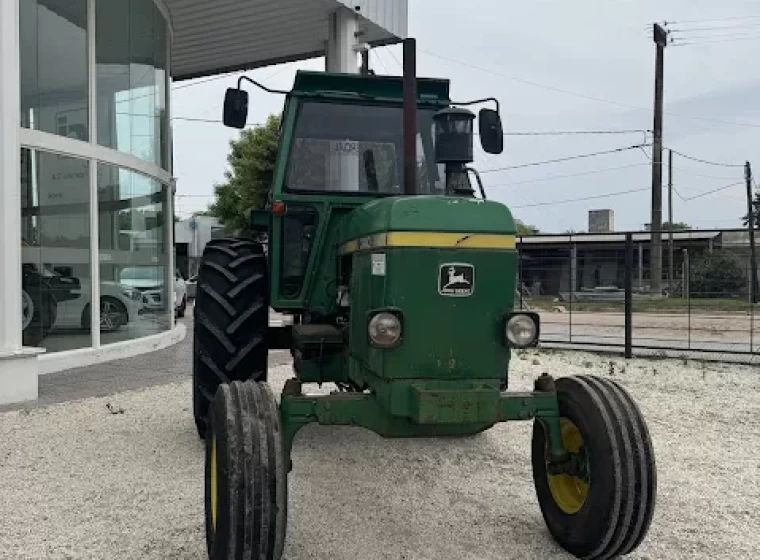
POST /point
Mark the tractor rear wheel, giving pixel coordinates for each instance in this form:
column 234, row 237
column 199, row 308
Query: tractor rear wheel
column 602, row 506
column 231, row 320
column 246, row 480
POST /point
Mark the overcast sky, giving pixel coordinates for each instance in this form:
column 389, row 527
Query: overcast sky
column 545, row 60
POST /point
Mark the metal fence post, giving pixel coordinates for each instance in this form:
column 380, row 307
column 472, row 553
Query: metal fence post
column 687, row 287
column 572, row 295
column 751, row 311
column 628, row 295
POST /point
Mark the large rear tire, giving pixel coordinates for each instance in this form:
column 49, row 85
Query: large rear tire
column 604, row 507
column 231, row 320
column 246, row 480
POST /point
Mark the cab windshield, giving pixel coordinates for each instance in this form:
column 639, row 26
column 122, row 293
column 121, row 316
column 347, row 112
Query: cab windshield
column 358, row 149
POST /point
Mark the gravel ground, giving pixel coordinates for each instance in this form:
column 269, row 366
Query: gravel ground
column 81, row 482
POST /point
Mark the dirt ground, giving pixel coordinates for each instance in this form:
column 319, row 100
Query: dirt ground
column 79, row 482
column 700, row 331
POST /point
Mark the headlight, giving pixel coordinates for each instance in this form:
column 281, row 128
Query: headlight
column 384, row 329
column 134, row 295
column 522, row 330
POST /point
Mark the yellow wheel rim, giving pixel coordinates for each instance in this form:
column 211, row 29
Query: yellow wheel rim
column 569, row 492
column 212, row 482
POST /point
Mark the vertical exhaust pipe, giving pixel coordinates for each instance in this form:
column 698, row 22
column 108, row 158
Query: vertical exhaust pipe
column 410, row 116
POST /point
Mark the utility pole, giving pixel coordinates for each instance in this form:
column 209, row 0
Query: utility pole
column 671, row 272
column 751, row 225
column 661, row 41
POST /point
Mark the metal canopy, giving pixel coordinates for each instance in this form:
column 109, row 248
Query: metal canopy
column 229, row 35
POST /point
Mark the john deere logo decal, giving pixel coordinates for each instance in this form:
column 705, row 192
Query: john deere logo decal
column 456, row 280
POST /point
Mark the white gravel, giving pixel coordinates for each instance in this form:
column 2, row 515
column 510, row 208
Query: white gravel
column 80, row 482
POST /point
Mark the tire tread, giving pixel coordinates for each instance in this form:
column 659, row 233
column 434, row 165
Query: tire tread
column 618, row 517
column 232, row 319
column 254, row 455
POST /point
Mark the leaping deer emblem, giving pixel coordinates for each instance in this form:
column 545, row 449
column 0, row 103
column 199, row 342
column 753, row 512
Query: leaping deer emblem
column 455, row 278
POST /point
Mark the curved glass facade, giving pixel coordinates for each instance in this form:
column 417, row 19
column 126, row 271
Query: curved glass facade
column 131, row 54
column 95, row 184
column 54, row 67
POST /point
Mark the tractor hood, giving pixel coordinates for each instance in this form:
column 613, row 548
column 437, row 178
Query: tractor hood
column 421, row 214
column 446, row 267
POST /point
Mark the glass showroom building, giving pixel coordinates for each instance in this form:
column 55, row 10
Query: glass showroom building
column 86, row 180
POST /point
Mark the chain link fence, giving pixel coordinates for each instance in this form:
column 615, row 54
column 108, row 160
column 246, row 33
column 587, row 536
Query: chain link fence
column 700, row 308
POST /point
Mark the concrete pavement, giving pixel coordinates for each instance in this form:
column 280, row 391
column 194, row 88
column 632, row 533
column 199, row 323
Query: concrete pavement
column 148, row 370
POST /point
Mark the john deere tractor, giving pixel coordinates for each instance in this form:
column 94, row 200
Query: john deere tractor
column 400, row 281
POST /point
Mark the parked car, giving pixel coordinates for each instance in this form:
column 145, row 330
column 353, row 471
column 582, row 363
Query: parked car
column 150, row 282
column 119, row 305
column 191, row 286
column 42, row 290
column 52, row 299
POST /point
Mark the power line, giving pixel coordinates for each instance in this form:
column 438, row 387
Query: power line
column 577, row 132
column 203, row 81
column 582, row 95
column 380, row 60
column 707, row 162
column 723, row 188
column 685, row 43
column 582, row 199
column 720, row 28
column 729, row 35
column 714, row 20
column 517, row 133
column 571, row 175
column 488, row 159
column 213, row 121
column 398, row 62
column 568, row 158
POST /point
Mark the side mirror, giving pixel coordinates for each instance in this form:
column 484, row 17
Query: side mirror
column 235, row 108
column 491, row 132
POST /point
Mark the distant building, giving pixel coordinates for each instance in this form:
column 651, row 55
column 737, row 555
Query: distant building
column 601, row 221
column 190, row 238
column 562, row 264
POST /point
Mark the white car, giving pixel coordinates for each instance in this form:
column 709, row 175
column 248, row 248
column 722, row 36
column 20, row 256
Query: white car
column 72, row 297
column 149, row 281
column 119, row 305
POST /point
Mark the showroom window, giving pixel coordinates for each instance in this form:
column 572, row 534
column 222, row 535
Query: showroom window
column 54, row 77
column 115, row 181
column 55, row 233
column 133, row 256
column 131, row 54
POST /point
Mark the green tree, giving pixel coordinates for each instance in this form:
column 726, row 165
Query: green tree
column 676, row 226
column 719, row 274
column 525, row 229
column 249, row 177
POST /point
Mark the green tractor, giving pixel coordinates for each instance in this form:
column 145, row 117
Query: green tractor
column 400, row 283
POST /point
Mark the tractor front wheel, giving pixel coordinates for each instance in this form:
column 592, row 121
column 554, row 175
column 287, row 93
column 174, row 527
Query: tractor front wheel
column 246, row 480
column 599, row 503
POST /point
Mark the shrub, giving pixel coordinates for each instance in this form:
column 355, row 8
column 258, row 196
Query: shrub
column 719, row 274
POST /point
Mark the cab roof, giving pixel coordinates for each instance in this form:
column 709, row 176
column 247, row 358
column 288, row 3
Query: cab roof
column 429, row 90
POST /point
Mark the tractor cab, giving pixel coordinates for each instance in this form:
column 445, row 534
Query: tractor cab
column 342, row 146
